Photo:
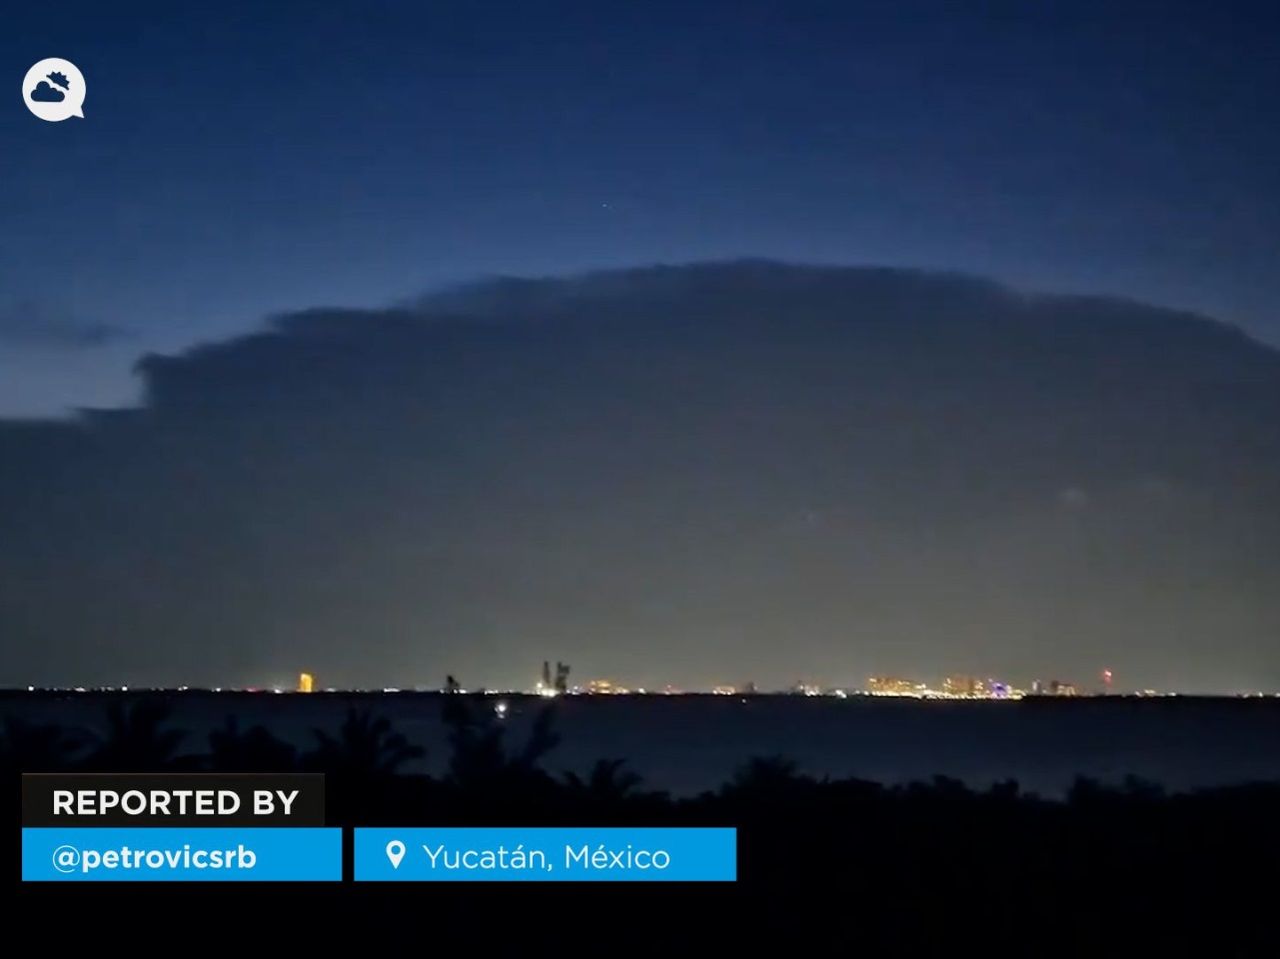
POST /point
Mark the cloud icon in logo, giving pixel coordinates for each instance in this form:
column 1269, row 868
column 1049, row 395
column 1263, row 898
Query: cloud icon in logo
column 45, row 92
column 54, row 89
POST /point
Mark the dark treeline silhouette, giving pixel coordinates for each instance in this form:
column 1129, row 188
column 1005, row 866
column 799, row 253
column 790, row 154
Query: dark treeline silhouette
column 896, row 851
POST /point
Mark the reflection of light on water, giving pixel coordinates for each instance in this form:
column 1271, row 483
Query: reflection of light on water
column 501, row 710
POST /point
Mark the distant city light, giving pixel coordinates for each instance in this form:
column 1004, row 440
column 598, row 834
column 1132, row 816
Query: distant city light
column 952, row 687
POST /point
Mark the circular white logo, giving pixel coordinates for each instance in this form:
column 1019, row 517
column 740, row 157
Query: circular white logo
column 53, row 90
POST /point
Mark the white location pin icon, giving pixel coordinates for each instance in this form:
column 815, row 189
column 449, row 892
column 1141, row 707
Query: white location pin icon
column 395, row 852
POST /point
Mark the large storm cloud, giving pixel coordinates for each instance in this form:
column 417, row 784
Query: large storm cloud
column 692, row 475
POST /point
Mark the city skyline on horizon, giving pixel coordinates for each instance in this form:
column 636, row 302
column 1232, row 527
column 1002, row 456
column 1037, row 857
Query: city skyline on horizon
column 906, row 683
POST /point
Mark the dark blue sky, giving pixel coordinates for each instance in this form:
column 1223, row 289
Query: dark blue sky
column 245, row 159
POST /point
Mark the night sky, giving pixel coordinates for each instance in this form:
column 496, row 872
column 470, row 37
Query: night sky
column 961, row 359
column 245, row 159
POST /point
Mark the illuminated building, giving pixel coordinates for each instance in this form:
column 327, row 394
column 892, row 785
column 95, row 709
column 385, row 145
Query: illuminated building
column 1054, row 687
column 605, row 687
column 964, row 686
column 306, row 682
column 556, row 684
column 723, row 690
column 891, row 686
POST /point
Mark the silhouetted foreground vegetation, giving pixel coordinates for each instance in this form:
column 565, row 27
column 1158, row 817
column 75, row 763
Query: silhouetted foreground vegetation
column 1129, row 854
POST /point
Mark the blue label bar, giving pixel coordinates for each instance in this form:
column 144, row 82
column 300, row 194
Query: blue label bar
column 181, row 855
column 546, row 855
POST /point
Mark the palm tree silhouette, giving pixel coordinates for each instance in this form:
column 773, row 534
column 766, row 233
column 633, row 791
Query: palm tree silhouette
column 366, row 746
column 27, row 747
column 136, row 740
column 608, row 782
column 766, row 777
column 480, row 757
column 253, row 750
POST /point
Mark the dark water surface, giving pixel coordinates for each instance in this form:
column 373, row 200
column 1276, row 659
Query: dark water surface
column 689, row 743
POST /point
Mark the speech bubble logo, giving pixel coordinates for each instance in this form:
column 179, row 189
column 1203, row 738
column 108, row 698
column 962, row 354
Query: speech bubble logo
column 54, row 90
